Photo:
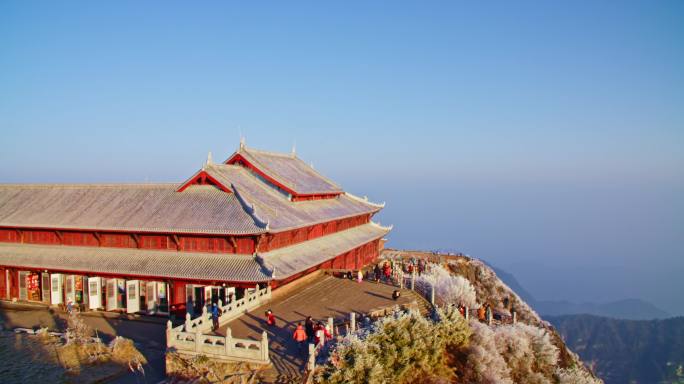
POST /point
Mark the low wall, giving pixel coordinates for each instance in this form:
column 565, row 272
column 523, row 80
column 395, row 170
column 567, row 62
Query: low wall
column 218, row 347
column 189, row 338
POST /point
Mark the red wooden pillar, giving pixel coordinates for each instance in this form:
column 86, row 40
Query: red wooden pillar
column 178, row 299
column 14, row 283
column 3, row 284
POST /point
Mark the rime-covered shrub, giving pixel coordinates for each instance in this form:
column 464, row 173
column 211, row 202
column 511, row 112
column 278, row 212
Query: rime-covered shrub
column 575, row 376
column 483, row 363
column 402, row 348
column 490, row 289
column 508, row 354
column 449, row 288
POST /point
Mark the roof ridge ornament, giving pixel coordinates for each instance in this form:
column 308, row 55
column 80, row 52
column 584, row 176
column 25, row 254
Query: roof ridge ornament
column 294, row 149
column 210, row 161
column 377, row 224
column 242, row 143
column 365, row 200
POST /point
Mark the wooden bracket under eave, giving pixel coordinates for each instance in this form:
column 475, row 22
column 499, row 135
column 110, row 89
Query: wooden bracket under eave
column 98, row 237
column 176, row 241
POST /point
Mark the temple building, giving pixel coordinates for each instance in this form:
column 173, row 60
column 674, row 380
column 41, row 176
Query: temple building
column 258, row 218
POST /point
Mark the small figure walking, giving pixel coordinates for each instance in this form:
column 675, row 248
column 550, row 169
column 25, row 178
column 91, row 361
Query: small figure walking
column 396, row 294
column 310, row 329
column 387, row 270
column 481, row 313
column 300, row 337
column 359, row 276
column 270, row 318
column 215, row 313
column 70, row 307
column 377, row 272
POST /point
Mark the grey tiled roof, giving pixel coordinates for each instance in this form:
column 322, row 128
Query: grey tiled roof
column 280, row 213
column 290, row 171
column 135, row 262
column 141, row 207
column 290, row 260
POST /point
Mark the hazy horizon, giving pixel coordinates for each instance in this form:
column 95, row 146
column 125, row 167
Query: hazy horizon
column 544, row 138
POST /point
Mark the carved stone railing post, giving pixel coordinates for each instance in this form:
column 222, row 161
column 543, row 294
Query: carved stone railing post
column 514, row 315
column 352, row 321
column 311, row 364
column 401, row 279
column 198, row 340
column 466, row 313
column 188, row 322
column 220, row 303
column 432, row 293
column 330, row 325
column 264, row 346
column 169, row 334
column 229, row 341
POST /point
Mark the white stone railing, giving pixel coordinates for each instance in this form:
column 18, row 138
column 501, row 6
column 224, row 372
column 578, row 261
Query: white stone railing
column 189, row 337
column 230, row 311
column 218, row 347
column 233, row 310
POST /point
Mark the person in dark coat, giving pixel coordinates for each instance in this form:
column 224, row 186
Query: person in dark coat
column 378, row 272
column 309, row 328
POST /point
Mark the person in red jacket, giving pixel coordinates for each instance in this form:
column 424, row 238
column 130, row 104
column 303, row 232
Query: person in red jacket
column 322, row 334
column 300, row 337
column 270, row 318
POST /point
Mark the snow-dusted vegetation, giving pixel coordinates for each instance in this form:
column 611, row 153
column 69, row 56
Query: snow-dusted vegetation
column 449, row 289
column 509, row 354
column 403, row 348
column 409, row 348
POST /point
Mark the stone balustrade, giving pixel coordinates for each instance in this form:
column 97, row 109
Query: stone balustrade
column 218, row 347
column 230, row 311
column 189, row 337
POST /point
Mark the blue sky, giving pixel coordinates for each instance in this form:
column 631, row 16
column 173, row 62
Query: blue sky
column 546, row 138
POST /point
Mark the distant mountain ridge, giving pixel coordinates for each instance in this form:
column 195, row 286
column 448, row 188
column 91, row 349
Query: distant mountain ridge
column 628, row 309
column 627, row 351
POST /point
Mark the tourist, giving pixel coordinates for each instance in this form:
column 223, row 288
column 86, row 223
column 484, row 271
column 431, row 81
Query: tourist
column 387, row 270
column 461, row 309
column 421, row 267
column 396, row 294
column 215, row 313
column 270, row 318
column 300, row 337
column 70, row 307
column 481, row 313
column 309, row 328
column 322, row 334
column 377, row 272
column 359, row 276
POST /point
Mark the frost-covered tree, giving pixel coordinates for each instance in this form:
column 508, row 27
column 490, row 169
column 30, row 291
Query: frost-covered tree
column 449, row 288
column 509, row 354
column 402, row 348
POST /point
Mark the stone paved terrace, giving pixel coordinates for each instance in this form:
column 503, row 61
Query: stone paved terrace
column 320, row 298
